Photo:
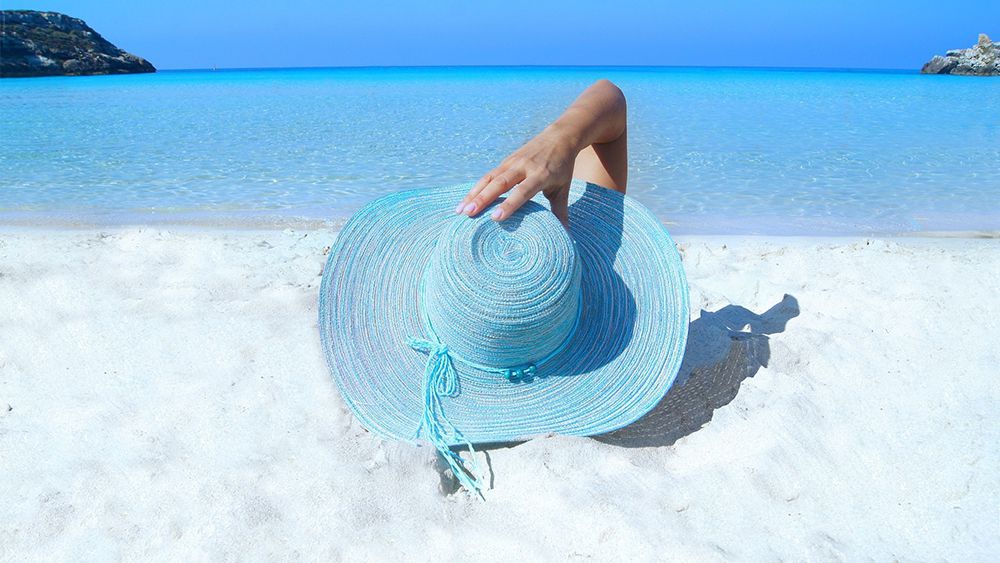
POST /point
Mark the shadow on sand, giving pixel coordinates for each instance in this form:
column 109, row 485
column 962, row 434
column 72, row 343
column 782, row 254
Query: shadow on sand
column 724, row 347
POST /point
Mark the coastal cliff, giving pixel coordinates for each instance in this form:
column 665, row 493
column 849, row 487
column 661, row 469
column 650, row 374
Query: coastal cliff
column 983, row 59
column 36, row 43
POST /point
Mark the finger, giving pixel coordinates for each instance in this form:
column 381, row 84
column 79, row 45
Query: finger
column 559, row 202
column 516, row 198
column 499, row 186
column 478, row 187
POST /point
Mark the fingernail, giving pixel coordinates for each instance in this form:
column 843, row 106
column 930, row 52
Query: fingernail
column 497, row 214
column 470, row 209
column 458, row 209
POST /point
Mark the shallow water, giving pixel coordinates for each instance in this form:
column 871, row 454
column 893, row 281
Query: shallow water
column 712, row 150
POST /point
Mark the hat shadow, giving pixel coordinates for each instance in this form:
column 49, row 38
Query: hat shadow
column 724, row 348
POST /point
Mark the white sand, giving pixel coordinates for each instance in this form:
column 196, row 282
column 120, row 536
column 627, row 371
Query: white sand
column 163, row 395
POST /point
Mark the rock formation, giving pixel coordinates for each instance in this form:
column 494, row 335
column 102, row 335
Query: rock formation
column 49, row 43
column 981, row 60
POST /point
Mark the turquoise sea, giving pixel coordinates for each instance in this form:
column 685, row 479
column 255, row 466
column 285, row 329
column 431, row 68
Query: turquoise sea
column 717, row 150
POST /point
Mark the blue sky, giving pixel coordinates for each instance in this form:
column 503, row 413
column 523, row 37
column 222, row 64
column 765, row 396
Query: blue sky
column 264, row 33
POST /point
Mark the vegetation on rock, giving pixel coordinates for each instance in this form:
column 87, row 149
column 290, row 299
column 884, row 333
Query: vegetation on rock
column 36, row 43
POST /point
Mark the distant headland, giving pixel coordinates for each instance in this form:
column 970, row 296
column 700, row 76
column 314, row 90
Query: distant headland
column 52, row 44
column 982, row 59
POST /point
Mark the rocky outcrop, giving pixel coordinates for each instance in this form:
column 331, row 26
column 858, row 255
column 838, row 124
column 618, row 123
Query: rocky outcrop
column 981, row 60
column 49, row 44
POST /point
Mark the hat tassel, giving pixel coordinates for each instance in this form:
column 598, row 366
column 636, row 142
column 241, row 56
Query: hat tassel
column 441, row 380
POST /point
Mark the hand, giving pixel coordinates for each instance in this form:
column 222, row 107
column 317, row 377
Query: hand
column 544, row 164
column 593, row 128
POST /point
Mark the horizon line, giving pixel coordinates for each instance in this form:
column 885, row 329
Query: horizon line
column 544, row 66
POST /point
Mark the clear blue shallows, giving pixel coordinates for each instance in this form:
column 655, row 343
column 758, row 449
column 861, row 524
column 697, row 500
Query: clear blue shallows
column 712, row 150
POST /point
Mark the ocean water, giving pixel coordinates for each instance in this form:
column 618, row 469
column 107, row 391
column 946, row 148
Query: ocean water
column 711, row 150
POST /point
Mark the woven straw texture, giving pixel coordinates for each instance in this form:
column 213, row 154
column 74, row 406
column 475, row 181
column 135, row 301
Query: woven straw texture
column 600, row 313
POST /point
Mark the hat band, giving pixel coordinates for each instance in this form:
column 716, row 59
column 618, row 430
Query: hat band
column 441, row 380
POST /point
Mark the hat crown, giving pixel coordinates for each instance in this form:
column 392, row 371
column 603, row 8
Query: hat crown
column 503, row 294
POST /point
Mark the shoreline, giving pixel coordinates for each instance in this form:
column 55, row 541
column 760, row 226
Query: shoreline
column 333, row 226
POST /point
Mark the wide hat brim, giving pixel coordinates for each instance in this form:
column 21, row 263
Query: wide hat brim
column 619, row 362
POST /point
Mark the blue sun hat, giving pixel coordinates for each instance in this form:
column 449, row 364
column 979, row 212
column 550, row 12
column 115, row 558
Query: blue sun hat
column 458, row 330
